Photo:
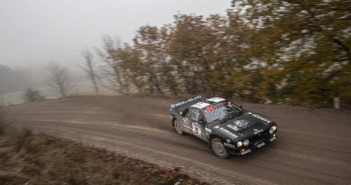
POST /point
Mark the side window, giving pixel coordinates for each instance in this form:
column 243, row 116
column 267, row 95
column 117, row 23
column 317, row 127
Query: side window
column 195, row 114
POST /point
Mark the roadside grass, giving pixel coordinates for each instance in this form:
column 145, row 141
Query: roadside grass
column 36, row 158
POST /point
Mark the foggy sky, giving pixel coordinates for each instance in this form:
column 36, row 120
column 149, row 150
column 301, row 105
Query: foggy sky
column 34, row 32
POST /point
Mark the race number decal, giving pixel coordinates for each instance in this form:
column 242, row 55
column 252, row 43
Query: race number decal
column 196, row 129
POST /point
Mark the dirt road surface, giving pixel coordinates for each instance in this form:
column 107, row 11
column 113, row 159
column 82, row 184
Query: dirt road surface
column 313, row 145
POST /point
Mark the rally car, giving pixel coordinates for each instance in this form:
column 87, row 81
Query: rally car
column 225, row 126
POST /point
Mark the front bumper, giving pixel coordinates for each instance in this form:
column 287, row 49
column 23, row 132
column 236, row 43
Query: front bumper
column 252, row 146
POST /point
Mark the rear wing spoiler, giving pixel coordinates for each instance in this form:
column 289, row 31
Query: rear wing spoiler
column 187, row 103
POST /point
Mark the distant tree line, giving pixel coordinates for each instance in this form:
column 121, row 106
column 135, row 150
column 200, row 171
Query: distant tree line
column 295, row 52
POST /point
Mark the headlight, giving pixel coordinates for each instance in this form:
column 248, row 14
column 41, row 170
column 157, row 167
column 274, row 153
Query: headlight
column 272, row 129
column 246, row 142
column 239, row 144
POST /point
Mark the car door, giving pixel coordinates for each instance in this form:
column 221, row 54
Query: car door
column 186, row 122
column 197, row 129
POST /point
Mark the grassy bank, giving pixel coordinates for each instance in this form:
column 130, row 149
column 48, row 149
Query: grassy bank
column 31, row 158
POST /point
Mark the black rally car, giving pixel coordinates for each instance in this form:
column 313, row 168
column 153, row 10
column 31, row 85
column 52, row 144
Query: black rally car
column 226, row 127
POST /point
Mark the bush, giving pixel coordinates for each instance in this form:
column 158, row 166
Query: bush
column 31, row 95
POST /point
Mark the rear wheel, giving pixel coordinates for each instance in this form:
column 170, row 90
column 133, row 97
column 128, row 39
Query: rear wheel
column 178, row 127
column 218, row 148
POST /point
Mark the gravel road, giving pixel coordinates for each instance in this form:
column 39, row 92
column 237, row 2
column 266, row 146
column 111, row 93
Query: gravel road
column 313, row 145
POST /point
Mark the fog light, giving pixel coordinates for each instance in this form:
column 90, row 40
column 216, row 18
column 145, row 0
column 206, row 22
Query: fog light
column 239, row 144
column 272, row 129
column 246, row 142
column 274, row 135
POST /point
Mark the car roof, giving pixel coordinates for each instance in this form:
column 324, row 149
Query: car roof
column 208, row 102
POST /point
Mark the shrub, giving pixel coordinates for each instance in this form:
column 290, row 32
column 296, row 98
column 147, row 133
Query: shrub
column 31, row 95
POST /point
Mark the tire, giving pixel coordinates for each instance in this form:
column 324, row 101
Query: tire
column 178, row 127
column 218, row 148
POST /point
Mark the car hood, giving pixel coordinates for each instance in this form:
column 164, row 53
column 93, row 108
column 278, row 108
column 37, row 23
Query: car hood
column 243, row 126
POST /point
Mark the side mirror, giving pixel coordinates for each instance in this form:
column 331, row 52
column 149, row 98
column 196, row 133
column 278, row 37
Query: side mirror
column 241, row 106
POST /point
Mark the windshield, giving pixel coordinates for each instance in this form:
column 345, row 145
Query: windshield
column 220, row 111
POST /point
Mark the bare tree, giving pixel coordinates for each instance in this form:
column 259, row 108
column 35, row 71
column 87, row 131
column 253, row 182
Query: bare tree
column 59, row 78
column 88, row 56
column 113, row 77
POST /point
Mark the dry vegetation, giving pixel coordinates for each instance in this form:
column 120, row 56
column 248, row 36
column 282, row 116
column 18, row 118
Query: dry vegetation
column 3, row 123
column 31, row 158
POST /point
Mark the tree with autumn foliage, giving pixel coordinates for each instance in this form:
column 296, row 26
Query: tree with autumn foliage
column 294, row 51
column 306, row 43
column 151, row 41
column 205, row 53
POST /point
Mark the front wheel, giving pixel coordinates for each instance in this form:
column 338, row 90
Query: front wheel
column 218, row 148
column 178, row 128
